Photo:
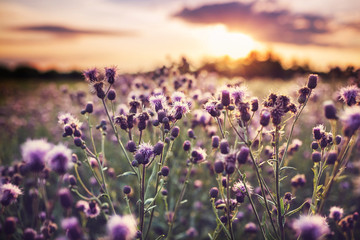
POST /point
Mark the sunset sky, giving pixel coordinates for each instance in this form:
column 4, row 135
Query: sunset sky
column 139, row 35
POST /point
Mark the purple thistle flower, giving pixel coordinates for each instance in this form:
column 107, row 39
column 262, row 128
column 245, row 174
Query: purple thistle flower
column 72, row 228
column 65, row 197
column 177, row 97
column 110, row 74
column 158, row 102
column 92, row 210
column 336, row 213
column 239, row 94
column 146, row 151
column 210, row 107
column 179, row 109
column 351, row 120
column 59, row 159
column 350, row 95
column 198, row 155
column 33, row 153
column 91, row 75
column 122, row 227
column 311, row 227
column 250, row 227
column 9, row 193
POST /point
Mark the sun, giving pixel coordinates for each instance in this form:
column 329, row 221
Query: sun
column 221, row 42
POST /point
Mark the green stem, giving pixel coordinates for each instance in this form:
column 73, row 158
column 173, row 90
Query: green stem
column 171, row 224
column 277, row 182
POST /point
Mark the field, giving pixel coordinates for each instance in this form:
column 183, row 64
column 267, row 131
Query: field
column 170, row 155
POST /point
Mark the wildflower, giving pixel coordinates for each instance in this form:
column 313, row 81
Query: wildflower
column 219, row 166
column 225, row 97
column 33, row 153
column 110, row 74
column 127, row 189
column 122, row 227
column 158, row 148
column 92, row 210
column 9, row 193
column 192, row 233
column 214, row 192
column 91, row 75
column 215, row 141
column 144, row 153
column 210, row 107
column 29, row 234
column 179, row 109
column 254, row 104
column 131, row 146
column 175, row 131
column 158, row 102
column 65, row 197
column 165, row 171
column 111, row 95
column 239, row 94
column 198, row 155
column 187, row 145
column 89, row 108
column 351, row 120
column 330, row 110
column 239, row 187
column 177, row 97
column 312, row 81
column 250, row 228
column 319, row 132
column 59, row 159
column 224, row 146
column 72, row 228
column 311, row 227
column 243, row 155
column 191, row 134
column 298, row 180
column 332, row 157
column 69, row 119
column 265, row 118
column 316, row 156
column 350, row 95
column 336, row 213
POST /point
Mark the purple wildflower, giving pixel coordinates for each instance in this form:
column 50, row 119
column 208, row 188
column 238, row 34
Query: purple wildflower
column 239, row 94
column 91, row 75
column 311, row 227
column 110, row 74
column 158, row 102
column 145, row 152
column 33, row 153
column 336, row 213
column 177, row 97
column 122, row 227
column 351, row 120
column 350, row 95
column 72, row 228
column 59, row 159
column 9, row 193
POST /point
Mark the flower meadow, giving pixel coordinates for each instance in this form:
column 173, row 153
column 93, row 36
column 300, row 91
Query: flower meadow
column 168, row 155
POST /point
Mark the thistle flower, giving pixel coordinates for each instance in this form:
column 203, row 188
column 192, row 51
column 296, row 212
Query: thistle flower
column 158, row 102
column 311, row 227
column 72, row 228
column 350, row 95
column 312, row 81
column 179, row 109
column 298, row 180
column 177, row 97
column 351, row 120
column 239, row 94
column 319, row 132
column 110, row 74
column 330, row 110
column 144, row 153
column 92, row 210
column 59, row 159
column 33, row 153
column 336, row 213
column 65, row 197
column 122, row 227
column 91, row 75
column 250, row 227
column 9, row 194
column 198, row 155
column 239, row 187
column 210, row 107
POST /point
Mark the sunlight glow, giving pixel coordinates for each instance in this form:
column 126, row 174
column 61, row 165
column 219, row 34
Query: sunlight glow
column 222, row 42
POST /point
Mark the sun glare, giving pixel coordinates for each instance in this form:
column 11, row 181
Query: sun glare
column 222, row 42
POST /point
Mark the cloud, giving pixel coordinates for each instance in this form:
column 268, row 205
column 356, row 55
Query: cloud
column 275, row 25
column 66, row 31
